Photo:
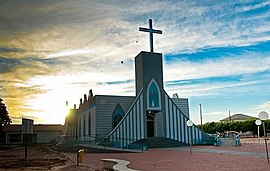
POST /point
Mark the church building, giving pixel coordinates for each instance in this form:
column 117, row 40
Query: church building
column 151, row 114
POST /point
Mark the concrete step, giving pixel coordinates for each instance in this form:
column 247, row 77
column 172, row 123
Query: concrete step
column 227, row 142
column 159, row 142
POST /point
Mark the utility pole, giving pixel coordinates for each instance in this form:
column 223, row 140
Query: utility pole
column 229, row 116
column 230, row 120
column 201, row 113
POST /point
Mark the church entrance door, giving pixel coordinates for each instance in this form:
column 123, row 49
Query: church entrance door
column 150, row 125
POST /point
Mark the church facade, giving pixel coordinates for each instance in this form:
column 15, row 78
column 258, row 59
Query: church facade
column 127, row 119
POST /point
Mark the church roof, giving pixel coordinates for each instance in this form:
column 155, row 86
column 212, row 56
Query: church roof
column 238, row 117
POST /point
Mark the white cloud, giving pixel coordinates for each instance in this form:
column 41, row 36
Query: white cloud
column 70, row 53
column 265, row 106
column 90, row 38
column 213, row 89
column 245, row 64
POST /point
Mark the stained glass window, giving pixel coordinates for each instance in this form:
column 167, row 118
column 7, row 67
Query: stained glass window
column 153, row 95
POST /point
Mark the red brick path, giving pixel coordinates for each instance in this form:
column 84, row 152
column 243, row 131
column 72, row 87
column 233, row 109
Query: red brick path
column 227, row 159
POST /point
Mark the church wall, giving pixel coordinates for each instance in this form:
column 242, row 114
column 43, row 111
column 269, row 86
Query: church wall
column 182, row 103
column 80, row 125
column 83, row 120
column 92, row 114
column 159, row 131
column 104, row 109
column 87, row 122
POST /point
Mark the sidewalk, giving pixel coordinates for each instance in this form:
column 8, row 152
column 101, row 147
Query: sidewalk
column 248, row 157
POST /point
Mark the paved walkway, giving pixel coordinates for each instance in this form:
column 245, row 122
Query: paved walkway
column 221, row 151
column 248, row 157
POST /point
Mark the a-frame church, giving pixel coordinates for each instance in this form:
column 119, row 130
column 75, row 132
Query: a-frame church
column 151, row 114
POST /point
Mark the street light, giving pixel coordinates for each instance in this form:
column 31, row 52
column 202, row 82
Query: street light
column 190, row 124
column 264, row 116
column 258, row 123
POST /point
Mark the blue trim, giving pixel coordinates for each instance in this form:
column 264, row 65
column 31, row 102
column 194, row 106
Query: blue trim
column 173, row 115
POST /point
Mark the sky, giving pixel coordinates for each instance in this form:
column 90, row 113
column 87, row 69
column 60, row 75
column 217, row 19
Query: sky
column 215, row 53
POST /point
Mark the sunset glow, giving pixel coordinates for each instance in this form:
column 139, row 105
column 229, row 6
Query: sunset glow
column 216, row 53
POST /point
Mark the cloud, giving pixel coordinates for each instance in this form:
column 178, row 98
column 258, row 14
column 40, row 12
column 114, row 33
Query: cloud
column 226, row 66
column 116, row 82
column 9, row 49
column 7, row 64
column 15, row 96
column 265, row 106
column 70, row 53
column 79, row 45
column 212, row 116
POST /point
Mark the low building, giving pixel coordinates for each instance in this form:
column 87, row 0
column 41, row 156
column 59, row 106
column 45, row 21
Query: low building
column 237, row 117
column 41, row 133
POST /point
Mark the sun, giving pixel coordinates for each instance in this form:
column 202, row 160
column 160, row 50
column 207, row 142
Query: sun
column 49, row 108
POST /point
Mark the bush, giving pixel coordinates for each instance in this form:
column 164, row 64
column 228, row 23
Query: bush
column 245, row 126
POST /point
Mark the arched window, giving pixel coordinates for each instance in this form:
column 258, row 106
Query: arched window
column 153, row 96
column 117, row 115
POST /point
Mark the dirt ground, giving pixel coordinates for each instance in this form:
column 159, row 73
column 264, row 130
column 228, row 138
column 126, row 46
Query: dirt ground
column 39, row 157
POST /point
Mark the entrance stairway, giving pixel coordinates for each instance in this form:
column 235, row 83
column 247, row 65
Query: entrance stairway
column 160, row 142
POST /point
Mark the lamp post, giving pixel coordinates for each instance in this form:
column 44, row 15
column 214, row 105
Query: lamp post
column 190, row 124
column 258, row 123
column 264, row 116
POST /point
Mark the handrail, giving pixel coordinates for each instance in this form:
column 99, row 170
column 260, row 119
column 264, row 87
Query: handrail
column 217, row 140
column 237, row 140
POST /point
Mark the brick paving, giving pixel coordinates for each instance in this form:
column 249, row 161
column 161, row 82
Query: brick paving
column 248, row 157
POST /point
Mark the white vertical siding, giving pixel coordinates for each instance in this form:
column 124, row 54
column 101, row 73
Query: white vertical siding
column 178, row 126
column 175, row 121
column 134, row 124
column 167, row 117
column 128, row 127
column 138, row 115
column 142, row 121
column 171, row 120
column 124, row 132
column 131, row 127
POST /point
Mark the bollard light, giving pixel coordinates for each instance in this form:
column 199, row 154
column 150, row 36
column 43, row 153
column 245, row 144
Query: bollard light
column 190, row 124
column 258, row 123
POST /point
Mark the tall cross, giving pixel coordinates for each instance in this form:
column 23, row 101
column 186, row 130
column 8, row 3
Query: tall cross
column 151, row 31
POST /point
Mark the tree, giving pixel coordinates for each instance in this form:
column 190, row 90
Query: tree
column 4, row 118
column 210, row 127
